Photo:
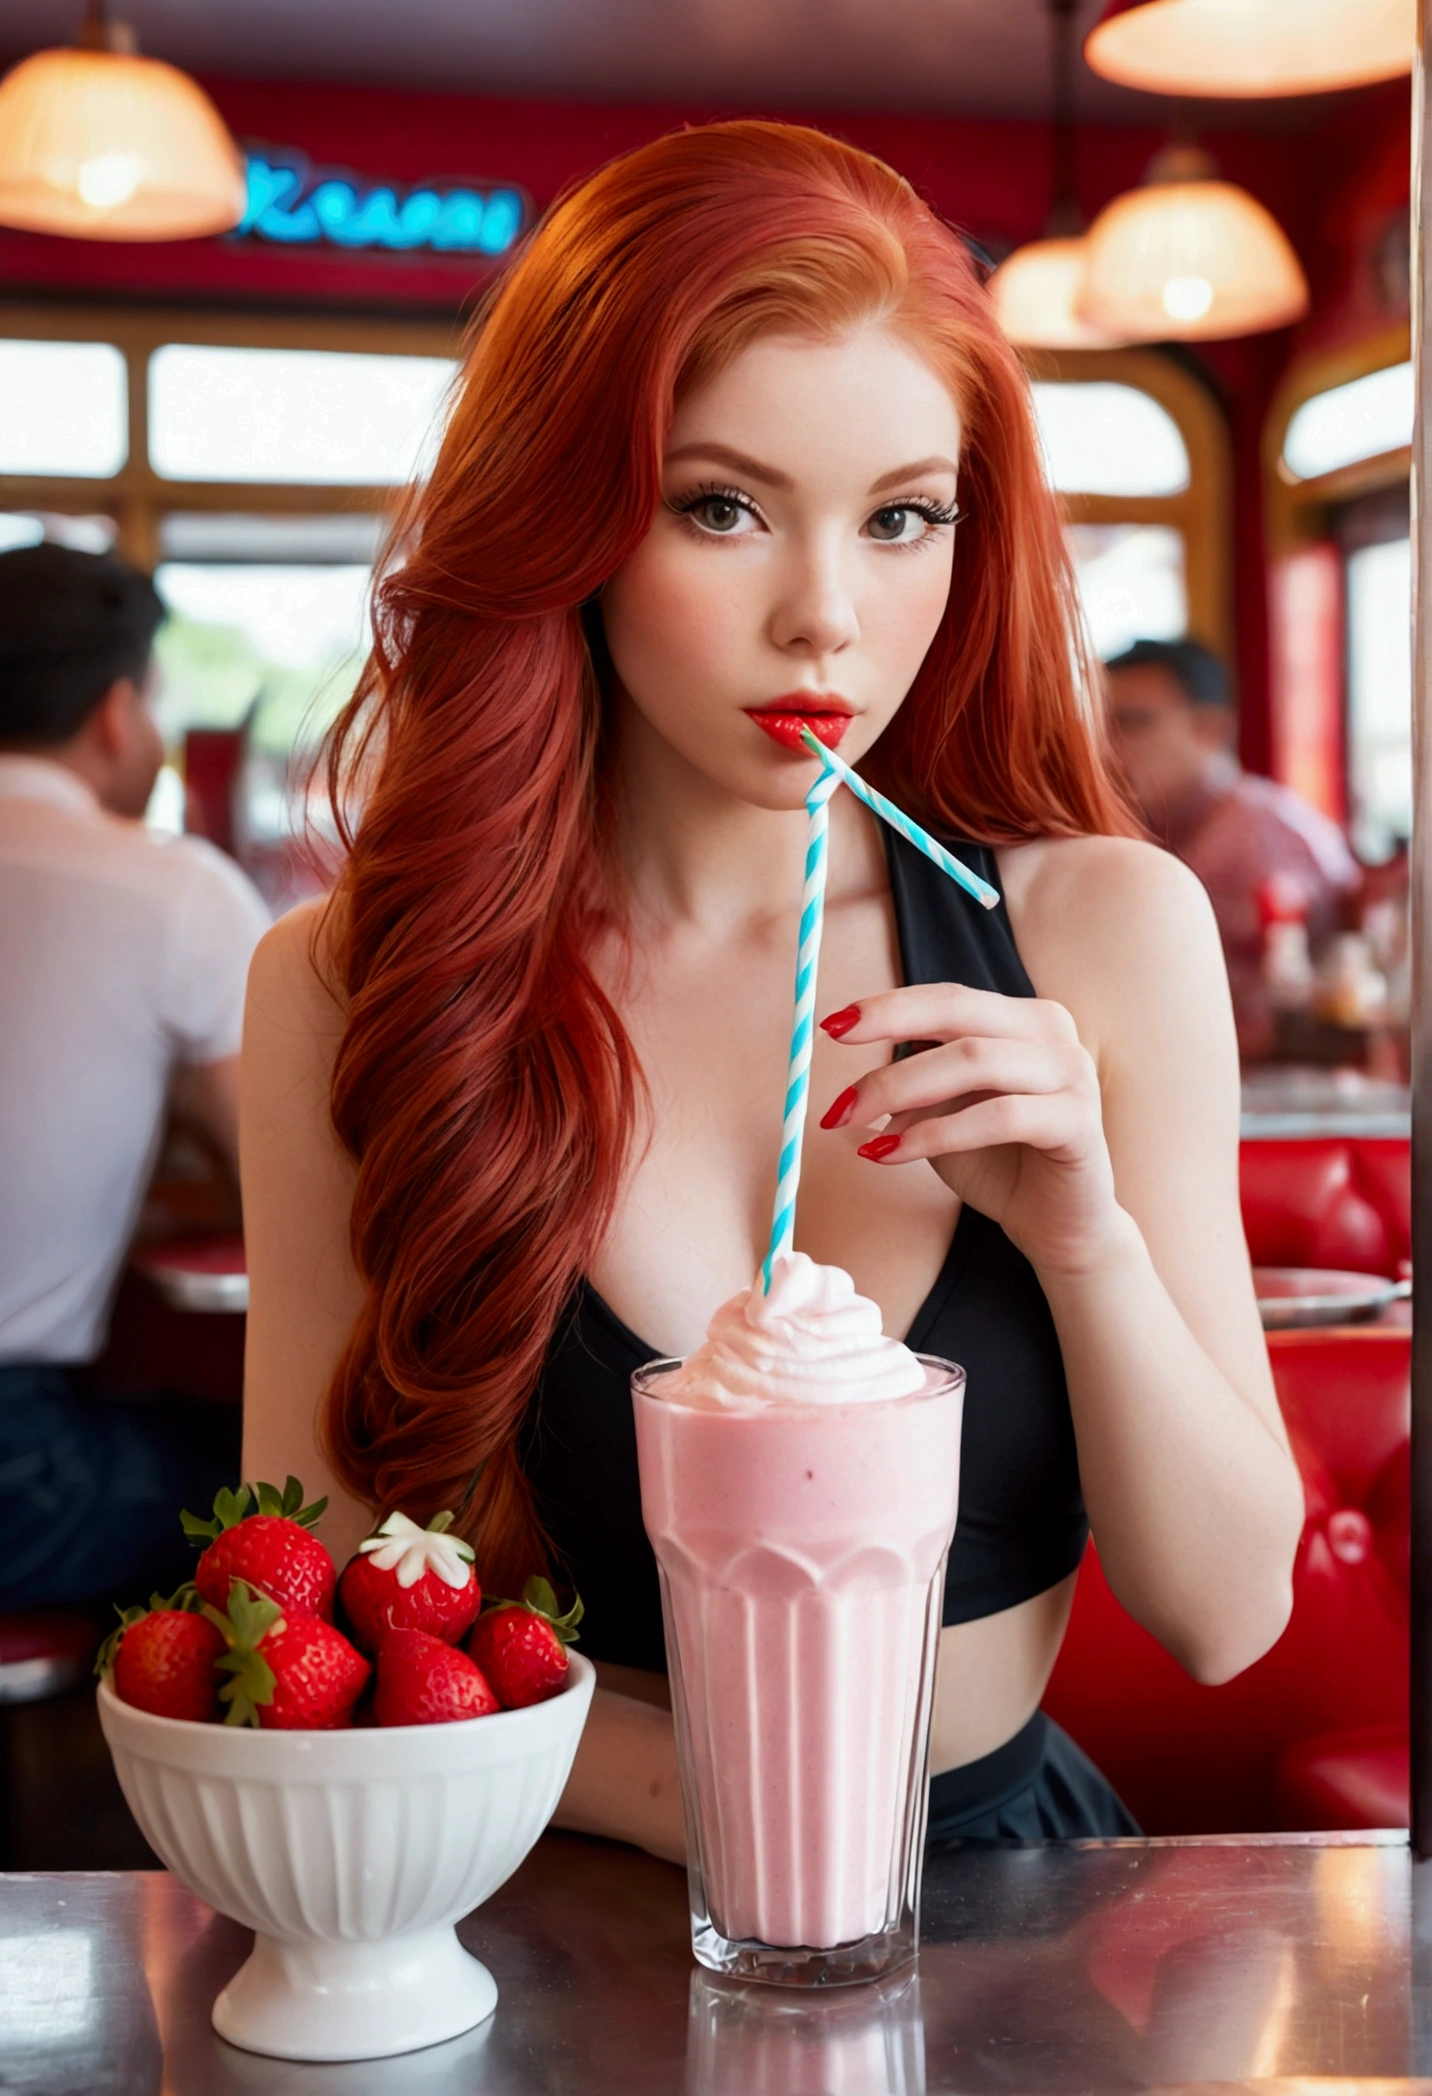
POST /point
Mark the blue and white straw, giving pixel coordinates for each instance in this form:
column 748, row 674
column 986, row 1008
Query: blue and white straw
column 803, row 1027
column 900, row 822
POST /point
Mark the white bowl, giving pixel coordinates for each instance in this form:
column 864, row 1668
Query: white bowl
column 351, row 1854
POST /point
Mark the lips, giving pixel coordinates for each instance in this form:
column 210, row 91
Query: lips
column 785, row 720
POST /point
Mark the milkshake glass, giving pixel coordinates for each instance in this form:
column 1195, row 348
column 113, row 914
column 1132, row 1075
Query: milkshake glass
column 799, row 1479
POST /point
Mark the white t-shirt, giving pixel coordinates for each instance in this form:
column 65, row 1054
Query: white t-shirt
column 123, row 953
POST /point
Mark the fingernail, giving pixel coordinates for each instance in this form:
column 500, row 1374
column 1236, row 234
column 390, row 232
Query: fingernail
column 840, row 1023
column 839, row 1111
column 879, row 1146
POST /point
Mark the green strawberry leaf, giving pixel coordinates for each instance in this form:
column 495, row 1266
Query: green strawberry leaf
column 128, row 1617
column 289, row 1502
column 229, row 1509
column 251, row 1685
column 441, row 1523
column 249, row 1618
column 538, row 1596
column 185, row 1599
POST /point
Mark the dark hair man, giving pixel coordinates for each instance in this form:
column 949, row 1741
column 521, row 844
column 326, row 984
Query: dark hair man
column 123, row 956
column 1173, row 721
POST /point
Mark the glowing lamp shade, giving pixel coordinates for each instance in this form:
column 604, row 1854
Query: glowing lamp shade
column 103, row 145
column 1035, row 292
column 1189, row 262
column 1252, row 47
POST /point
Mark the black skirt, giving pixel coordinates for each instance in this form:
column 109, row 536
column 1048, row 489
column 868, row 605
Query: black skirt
column 1039, row 1786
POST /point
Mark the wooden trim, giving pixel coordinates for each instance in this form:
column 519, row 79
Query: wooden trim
column 137, row 497
column 1296, row 511
column 146, row 327
column 1202, row 512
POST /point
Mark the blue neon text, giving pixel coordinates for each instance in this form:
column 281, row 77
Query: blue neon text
column 288, row 204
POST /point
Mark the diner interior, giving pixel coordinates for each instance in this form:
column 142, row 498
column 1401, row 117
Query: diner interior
column 234, row 408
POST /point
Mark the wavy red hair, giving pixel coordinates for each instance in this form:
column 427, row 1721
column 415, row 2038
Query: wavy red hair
column 484, row 1083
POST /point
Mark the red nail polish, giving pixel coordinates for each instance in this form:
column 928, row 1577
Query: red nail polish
column 839, row 1111
column 840, row 1023
column 879, row 1146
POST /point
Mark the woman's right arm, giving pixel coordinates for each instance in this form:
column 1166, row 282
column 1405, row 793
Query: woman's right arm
column 304, row 1291
column 304, row 1297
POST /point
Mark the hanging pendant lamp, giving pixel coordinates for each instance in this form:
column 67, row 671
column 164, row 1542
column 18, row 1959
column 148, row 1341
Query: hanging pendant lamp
column 1036, row 293
column 1189, row 258
column 101, row 144
column 1037, row 288
column 1252, row 47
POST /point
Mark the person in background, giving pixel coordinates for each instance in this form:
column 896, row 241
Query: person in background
column 123, row 956
column 1251, row 841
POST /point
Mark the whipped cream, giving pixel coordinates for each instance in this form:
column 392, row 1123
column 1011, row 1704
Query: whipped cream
column 809, row 1340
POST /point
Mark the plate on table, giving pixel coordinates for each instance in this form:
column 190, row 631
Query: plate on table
column 201, row 1273
column 1289, row 1296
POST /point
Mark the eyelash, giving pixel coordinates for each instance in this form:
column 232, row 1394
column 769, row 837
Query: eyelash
column 934, row 513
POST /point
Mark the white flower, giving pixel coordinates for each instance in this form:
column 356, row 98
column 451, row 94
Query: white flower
column 413, row 1551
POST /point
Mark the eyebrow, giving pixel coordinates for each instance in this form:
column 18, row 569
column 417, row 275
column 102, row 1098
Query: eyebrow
column 752, row 469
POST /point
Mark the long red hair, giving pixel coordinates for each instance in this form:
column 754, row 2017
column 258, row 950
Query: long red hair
column 484, row 1083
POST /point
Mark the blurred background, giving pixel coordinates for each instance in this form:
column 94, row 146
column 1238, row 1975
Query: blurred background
column 238, row 247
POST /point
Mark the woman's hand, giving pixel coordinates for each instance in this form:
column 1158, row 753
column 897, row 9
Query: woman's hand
column 1003, row 1100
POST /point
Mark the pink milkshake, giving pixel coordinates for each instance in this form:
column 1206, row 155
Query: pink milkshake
column 799, row 1478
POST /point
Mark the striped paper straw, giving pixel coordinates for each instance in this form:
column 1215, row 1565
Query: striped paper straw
column 900, row 822
column 783, row 1222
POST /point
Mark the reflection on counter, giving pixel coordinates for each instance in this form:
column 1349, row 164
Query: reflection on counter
column 1124, row 1966
column 768, row 2041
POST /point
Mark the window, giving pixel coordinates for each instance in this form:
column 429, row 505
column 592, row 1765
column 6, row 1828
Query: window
column 1106, row 439
column 1131, row 581
column 1346, row 424
column 1138, row 451
column 301, row 416
column 64, row 408
column 266, row 633
column 1337, row 507
column 1379, row 695
column 28, row 528
column 256, row 487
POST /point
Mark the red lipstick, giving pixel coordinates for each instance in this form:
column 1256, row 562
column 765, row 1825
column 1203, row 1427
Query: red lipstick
column 784, row 719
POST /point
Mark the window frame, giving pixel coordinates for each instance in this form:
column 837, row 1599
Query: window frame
column 137, row 497
column 1202, row 513
column 1300, row 512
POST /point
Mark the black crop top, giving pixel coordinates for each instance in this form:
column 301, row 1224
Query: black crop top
column 1021, row 1526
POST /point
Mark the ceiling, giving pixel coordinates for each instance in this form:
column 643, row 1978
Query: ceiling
column 987, row 57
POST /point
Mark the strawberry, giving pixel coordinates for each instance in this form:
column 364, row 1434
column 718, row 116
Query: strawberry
column 164, row 1659
column 286, row 1673
column 522, row 1646
column 410, row 1578
column 422, row 1681
column 271, row 1550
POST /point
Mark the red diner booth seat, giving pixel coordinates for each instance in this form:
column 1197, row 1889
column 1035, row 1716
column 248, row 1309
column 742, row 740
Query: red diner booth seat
column 1333, row 1201
column 1257, row 1754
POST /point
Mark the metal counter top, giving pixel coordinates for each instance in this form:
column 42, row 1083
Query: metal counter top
column 1089, row 1966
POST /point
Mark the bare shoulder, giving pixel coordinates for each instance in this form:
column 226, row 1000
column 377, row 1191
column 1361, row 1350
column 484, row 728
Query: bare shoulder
column 291, row 979
column 1118, row 882
column 1123, row 934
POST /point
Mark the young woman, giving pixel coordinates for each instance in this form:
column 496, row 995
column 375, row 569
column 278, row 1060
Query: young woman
column 737, row 441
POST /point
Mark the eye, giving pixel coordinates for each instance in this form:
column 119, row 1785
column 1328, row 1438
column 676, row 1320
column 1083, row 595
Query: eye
column 719, row 513
column 723, row 513
column 907, row 523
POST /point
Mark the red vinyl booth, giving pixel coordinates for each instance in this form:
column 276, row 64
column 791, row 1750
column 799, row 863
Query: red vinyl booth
column 1315, row 1734
column 1334, row 1201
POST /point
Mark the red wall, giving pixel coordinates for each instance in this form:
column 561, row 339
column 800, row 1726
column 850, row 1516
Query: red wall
column 1327, row 183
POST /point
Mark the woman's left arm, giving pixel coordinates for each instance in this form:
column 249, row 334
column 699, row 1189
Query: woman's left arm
column 1098, row 1125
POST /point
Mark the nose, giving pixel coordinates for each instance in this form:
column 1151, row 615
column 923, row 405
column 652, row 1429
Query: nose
column 815, row 610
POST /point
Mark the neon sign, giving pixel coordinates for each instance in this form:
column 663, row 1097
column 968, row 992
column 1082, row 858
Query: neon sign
column 295, row 205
